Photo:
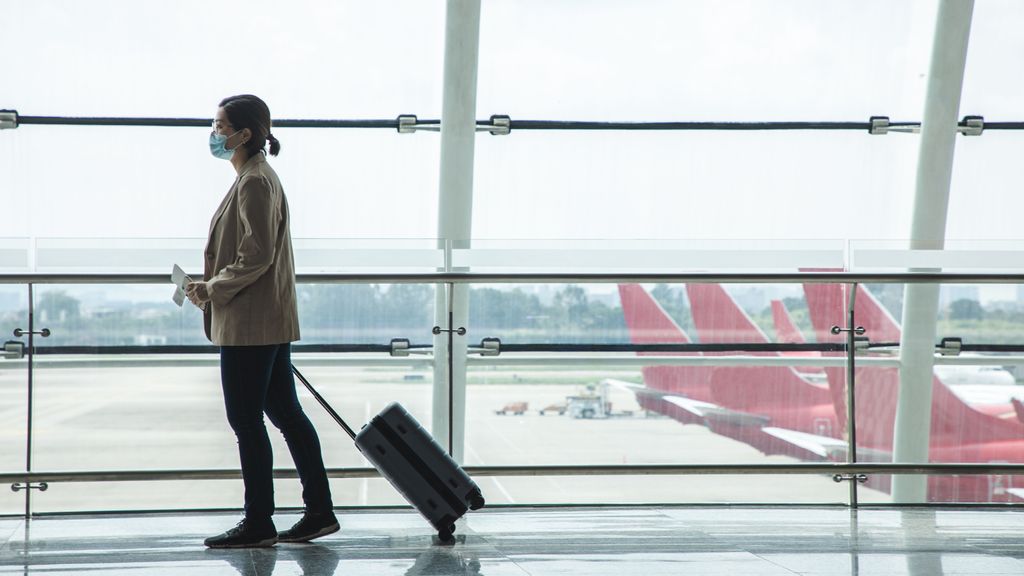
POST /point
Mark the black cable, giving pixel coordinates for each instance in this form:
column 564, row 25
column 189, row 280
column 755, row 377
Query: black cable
column 586, row 125
column 206, row 349
column 1004, row 125
column 675, row 348
column 201, row 123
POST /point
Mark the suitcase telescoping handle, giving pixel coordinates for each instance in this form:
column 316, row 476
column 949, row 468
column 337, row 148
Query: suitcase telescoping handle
column 324, row 403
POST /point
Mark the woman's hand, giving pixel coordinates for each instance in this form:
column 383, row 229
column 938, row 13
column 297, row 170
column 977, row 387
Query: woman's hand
column 198, row 294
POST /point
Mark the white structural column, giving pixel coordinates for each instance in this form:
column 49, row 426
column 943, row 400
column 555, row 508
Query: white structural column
column 455, row 210
column 931, row 204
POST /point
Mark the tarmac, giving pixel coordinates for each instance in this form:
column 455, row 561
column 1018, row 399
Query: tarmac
column 136, row 417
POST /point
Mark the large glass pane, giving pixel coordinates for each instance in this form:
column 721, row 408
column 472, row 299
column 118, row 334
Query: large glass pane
column 707, row 185
column 985, row 171
column 991, row 88
column 13, row 394
column 115, row 187
column 721, row 407
column 307, row 59
column 702, row 60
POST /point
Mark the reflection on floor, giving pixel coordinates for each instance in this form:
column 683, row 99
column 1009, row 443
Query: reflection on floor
column 591, row 541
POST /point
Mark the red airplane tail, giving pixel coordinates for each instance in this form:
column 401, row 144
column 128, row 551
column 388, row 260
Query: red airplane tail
column 649, row 323
column 954, row 422
column 719, row 319
column 786, row 332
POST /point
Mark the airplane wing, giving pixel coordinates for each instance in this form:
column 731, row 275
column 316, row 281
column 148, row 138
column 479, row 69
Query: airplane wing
column 823, row 446
column 749, row 428
column 1017, row 493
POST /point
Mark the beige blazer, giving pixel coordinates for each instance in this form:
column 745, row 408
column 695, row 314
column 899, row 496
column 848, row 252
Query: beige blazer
column 249, row 266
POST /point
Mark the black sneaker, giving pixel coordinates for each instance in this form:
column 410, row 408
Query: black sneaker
column 312, row 525
column 246, row 535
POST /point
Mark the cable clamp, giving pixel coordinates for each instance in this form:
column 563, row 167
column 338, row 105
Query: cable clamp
column 488, row 347
column 882, row 125
column 950, row 346
column 500, row 125
column 878, row 125
column 8, row 119
column 13, row 350
column 971, row 125
column 407, row 123
column 399, row 347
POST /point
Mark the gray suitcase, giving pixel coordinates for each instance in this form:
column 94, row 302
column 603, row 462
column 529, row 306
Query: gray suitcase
column 407, row 456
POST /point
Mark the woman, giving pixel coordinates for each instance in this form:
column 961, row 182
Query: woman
column 248, row 298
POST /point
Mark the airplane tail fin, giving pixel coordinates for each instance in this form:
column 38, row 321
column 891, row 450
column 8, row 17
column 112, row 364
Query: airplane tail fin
column 953, row 420
column 877, row 388
column 786, row 332
column 719, row 319
column 649, row 323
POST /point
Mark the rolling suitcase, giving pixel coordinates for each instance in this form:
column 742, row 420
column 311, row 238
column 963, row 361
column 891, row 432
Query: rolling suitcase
column 407, row 456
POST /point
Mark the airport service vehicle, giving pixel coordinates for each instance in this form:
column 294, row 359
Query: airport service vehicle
column 517, row 408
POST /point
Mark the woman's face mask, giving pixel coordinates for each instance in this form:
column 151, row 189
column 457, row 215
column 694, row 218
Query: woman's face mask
column 218, row 143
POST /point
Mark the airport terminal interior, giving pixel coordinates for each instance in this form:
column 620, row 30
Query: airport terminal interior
column 683, row 286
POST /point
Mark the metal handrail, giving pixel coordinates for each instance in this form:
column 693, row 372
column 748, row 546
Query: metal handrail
column 561, row 278
column 556, row 470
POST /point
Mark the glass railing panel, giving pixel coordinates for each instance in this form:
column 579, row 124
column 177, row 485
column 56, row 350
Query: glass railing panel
column 747, row 405
column 13, row 394
column 201, row 494
column 955, row 256
column 97, row 411
column 366, row 313
column 114, row 315
column 158, row 255
column 14, row 255
column 359, row 255
column 650, row 256
column 971, row 393
column 964, row 489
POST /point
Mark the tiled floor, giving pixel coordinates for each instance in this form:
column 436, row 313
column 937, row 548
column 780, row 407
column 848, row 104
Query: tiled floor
column 551, row 541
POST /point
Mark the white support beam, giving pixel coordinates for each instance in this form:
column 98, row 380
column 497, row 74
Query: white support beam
column 455, row 209
column 931, row 206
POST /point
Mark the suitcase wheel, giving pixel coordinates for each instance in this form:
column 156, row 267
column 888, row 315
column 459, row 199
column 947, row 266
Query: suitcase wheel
column 447, row 535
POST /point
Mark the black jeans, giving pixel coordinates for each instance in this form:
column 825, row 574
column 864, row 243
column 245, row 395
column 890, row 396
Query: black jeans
column 258, row 380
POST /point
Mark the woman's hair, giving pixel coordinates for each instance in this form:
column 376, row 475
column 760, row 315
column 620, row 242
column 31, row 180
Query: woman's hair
column 248, row 111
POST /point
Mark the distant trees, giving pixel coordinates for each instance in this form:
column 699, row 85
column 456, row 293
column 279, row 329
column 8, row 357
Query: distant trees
column 372, row 313
column 966, row 309
column 57, row 306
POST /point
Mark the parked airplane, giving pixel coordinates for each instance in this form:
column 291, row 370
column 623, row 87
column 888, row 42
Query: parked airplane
column 960, row 432
column 773, row 409
column 779, row 410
